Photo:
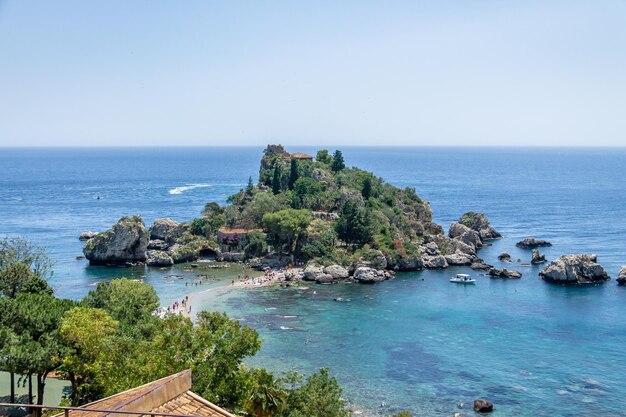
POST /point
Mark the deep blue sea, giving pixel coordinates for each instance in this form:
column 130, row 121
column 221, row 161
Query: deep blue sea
column 417, row 342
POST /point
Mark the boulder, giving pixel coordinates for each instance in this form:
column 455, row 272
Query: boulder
column 532, row 243
column 409, row 263
column 158, row 244
column 324, row 279
column 87, row 235
column 158, row 258
column 183, row 253
column 167, row 229
column 435, row 262
column 504, row 257
column 575, row 269
column 336, row 272
column 125, row 242
column 464, row 234
column 479, row 223
column 537, row 258
column 459, row 259
column 312, row 271
column 481, row 266
column 483, row 406
column 367, row 275
column 504, row 273
column 621, row 277
column 429, row 249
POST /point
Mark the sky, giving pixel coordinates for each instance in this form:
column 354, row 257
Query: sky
column 406, row 73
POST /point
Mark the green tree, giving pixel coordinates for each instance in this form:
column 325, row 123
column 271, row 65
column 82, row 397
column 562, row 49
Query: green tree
column 324, row 157
column 256, row 246
column 250, row 187
column 293, row 173
column 89, row 333
column 14, row 278
column 287, row 226
column 267, row 395
column 20, row 250
column 366, row 191
column 338, row 162
column 306, row 192
column 277, row 179
column 129, row 302
column 353, row 225
column 318, row 396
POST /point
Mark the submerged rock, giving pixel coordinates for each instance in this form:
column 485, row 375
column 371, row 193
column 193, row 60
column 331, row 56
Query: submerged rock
column 479, row 223
column 125, row 242
column 532, row 243
column 505, row 273
column 158, row 258
column 575, row 269
column 87, row 235
column 483, row 406
column 621, row 277
column 537, row 258
column 504, row 257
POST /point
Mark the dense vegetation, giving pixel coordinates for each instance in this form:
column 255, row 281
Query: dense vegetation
column 110, row 341
column 320, row 209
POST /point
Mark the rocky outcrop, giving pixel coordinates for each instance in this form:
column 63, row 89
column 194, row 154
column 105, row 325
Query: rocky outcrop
column 621, row 277
column 466, row 235
column 158, row 258
column 324, row 279
column 125, row 242
column 459, row 259
column 575, row 269
column 336, row 272
column 504, row 257
column 167, row 229
column 87, row 235
column 504, row 273
column 367, row 275
column 483, row 406
column 537, row 258
column 481, row 266
column 479, row 223
column 158, row 244
column 312, row 271
column 432, row 257
column 532, row 243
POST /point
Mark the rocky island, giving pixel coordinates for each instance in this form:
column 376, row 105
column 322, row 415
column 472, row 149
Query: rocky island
column 339, row 223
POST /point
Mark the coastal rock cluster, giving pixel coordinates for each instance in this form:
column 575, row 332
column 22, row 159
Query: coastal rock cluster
column 129, row 242
column 532, row 243
column 575, row 269
column 621, row 277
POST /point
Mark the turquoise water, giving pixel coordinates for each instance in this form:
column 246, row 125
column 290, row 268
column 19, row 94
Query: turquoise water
column 416, row 342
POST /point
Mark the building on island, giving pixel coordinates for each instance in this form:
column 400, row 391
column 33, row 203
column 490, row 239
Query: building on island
column 233, row 239
column 170, row 396
column 301, row 156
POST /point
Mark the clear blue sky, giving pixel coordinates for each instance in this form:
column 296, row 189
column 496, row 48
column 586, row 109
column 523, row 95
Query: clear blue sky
column 325, row 72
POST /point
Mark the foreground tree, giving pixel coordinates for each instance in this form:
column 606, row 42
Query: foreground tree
column 318, row 396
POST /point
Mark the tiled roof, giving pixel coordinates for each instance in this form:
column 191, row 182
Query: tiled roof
column 169, row 395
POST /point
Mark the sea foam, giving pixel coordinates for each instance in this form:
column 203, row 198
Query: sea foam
column 182, row 189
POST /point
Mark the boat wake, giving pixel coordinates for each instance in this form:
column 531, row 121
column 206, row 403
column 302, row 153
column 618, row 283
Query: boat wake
column 182, row 189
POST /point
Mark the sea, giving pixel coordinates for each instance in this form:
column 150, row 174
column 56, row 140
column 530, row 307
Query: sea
column 417, row 342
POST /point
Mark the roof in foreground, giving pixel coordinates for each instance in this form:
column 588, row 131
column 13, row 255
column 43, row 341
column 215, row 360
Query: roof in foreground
column 170, row 395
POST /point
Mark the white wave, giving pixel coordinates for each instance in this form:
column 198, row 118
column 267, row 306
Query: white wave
column 182, row 189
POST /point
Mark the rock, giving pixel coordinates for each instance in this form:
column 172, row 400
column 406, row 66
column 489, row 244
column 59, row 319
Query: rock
column 430, row 249
column 232, row 256
column 458, row 259
column 158, row 258
column 87, row 235
column 504, row 273
column 479, row 223
column 183, row 253
column 574, row 269
column 336, row 272
column 125, row 242
column 621, row 277
column 532, row 243
column 312, row 271
column 464, row 234
column 166, row 229
column 504, row 257
column 538, row 258
column 409, row 263
column 367, row 275
column 324, row 279
column 483, row 406
column 481, row 266
column 158, row 244
column 435, row 262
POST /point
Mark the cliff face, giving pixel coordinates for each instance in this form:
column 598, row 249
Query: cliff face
column 125, row 242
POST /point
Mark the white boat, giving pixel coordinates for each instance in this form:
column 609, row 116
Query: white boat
column 462, row 279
